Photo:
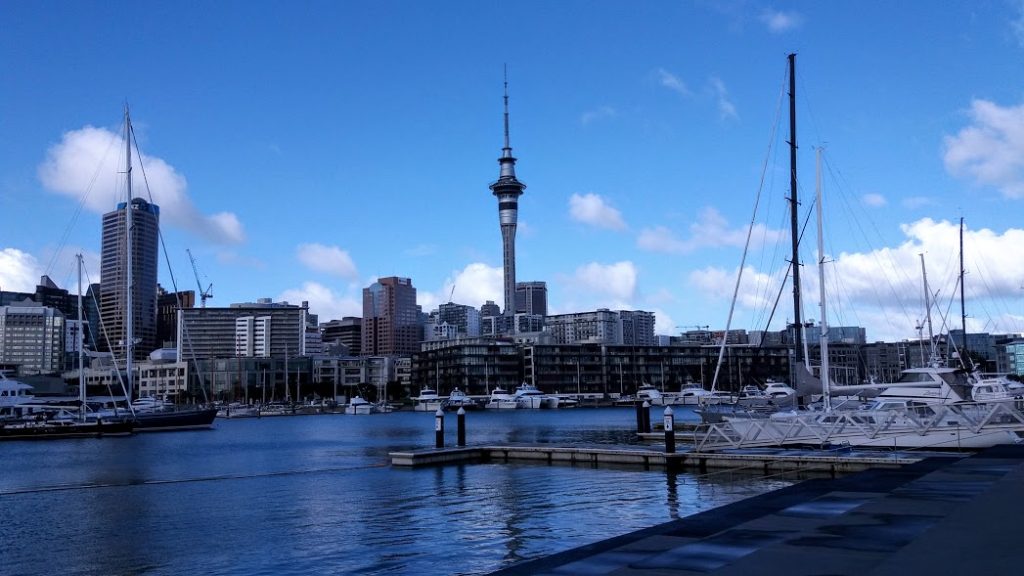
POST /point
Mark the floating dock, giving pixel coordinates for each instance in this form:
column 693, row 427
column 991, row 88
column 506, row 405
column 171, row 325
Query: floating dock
column 766, row 461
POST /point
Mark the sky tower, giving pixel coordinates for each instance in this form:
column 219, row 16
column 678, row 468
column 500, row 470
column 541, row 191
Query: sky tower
column 508, row 189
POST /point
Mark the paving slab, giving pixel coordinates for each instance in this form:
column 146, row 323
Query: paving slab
column 941, row 515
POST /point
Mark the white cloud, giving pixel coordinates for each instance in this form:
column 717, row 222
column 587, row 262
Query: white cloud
column 592, row 209
column 779, row 22
column 327, row 259
column 84, row 163
column 19, row 271
column 474, row 285
column 710, row 230
column 672, row 82
column 882, row 289
column 611, row 283
column 325, row 302
column 726, row 109
column 599, row 113
column 757, row 288
column 874, row 200
column 914, row 202
column 990, row 151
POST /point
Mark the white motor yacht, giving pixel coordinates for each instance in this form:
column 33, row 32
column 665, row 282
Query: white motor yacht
column 528, row 396
column 501, row 400
column 427, row 401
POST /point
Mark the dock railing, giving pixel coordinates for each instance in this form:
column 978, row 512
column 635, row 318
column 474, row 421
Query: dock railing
column 961, row 425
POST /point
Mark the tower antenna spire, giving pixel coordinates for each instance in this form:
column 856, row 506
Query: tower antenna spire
column 508, row 147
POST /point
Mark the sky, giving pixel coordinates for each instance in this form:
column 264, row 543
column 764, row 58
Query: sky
column 301, row 150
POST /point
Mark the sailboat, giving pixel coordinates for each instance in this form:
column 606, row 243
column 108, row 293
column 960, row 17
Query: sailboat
column 931, row 409
column 149, row 414
column 37, row 422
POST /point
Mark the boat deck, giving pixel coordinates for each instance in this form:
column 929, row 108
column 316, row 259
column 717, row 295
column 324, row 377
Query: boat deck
column 940, row 515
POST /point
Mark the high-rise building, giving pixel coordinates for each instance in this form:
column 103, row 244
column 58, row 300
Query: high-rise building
column 465, row 318
column 32, row 337
column 390, row 318
column 167, row 304
column 637, row 327
column 348, row 331
column 261, row 329
column 507, row 189
column 532, row 298
column 490, row 309
column 115, row 332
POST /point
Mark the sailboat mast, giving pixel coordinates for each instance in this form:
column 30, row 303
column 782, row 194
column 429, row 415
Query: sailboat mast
column 965, row 357
column 128, row 328
column 823, row 342
column 81, row 343
column 794, row 216
column 928, row 310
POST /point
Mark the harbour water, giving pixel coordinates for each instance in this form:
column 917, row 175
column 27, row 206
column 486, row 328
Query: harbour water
column 316, row 495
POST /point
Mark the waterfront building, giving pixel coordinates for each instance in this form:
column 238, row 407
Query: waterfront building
column 32, row 337
column 347, row 331
column 346, row 376
column 507, row 189
column 162, row 375
column 473, row 365
column 260, row 329
column 114, row 259
column 391, row 323
column 602, row 370
column 885, row 361
column 532, row 298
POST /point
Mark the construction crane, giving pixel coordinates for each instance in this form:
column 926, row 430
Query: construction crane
column 203, row 294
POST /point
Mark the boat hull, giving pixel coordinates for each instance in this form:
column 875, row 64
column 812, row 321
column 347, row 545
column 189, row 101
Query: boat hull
column 52, row 430
column 197, row 419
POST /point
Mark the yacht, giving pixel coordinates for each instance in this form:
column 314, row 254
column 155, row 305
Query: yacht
column 360, row 405
column 694, row 394
column 500, row 399
column 648, row 393
column 459, row 399
column 427, row 401
column 528, row 396
column 14, row 397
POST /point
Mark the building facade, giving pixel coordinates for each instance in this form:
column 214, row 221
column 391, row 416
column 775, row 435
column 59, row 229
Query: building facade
column 532, row 298
column 114, row 259
column 263, row 329
column 348, row 332
column 32, row 337
column 390, row 318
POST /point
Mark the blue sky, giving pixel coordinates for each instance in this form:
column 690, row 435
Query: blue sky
column 301, row 150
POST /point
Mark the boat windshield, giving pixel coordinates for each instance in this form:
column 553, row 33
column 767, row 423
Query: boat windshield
column 958, row 382
column 917, row 377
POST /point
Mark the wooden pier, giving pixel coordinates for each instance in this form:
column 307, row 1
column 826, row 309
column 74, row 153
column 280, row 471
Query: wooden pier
column 764, row 461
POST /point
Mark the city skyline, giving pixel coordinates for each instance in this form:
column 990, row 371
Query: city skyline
column 303, row 163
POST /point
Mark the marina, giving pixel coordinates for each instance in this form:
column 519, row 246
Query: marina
column 318, row 495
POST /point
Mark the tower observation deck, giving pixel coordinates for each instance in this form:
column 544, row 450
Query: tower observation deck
column 508, row 189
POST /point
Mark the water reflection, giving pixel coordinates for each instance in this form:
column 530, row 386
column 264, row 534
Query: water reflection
column 313, row 495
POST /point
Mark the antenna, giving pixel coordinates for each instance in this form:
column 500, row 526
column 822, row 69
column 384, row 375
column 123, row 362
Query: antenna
column 203, row 294
column 451, row 294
